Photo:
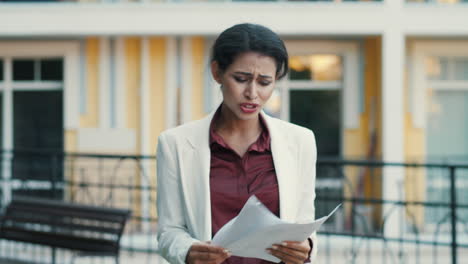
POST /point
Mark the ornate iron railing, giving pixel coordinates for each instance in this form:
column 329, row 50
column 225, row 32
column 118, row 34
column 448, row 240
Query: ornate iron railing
column 426, row 222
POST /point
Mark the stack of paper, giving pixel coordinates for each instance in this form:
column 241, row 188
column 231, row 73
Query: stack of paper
column 256, row 228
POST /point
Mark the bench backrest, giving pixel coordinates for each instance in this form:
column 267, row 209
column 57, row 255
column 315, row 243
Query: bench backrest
column 67, row 219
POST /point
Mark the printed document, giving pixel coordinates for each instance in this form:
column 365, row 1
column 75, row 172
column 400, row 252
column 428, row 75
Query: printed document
column 256, row 228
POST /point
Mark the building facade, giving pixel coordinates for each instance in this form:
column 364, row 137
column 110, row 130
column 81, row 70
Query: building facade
column 374, row 79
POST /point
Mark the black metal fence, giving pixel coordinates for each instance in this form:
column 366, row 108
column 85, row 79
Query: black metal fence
column 419, row 216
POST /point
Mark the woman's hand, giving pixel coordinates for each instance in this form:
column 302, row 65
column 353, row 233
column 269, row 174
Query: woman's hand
column 206, row 253
column 291, row 252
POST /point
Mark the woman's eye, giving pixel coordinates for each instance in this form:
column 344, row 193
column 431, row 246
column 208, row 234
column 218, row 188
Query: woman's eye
column 240, row 79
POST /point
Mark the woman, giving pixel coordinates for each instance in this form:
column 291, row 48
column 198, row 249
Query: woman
column 207, row 169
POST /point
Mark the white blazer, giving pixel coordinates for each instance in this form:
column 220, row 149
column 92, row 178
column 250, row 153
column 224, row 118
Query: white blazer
column 183, row 190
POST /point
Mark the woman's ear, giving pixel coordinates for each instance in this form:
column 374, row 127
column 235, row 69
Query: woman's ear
column 215, row 72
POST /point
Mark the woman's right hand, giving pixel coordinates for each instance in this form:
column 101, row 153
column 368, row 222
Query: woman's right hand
column 206, row 253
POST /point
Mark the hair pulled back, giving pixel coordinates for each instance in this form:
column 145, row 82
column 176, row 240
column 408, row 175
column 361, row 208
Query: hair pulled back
column 248, row 37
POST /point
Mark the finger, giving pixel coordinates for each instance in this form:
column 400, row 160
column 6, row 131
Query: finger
column 209, row 248
column 295, row 245
column 300, row 255
column 284, row 257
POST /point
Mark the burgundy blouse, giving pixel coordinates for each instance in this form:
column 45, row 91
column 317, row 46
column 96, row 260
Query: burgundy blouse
column 233, row 179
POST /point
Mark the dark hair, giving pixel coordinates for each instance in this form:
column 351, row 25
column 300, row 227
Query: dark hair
column 247, row 37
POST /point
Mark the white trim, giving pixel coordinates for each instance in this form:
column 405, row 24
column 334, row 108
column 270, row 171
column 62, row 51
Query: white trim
column 418, row 52
column 283, row 87
column 35, row 85
column 315, row 85
column 171, row 84
column 393, row 52
column 120, row 91
column 71, row 83
column 186, row 80
column 164, row 18
column 107, row 139
column 104, row 82
column 448, row 85
column 351, row 92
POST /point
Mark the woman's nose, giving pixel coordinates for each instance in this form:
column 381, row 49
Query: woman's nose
column 251, row 91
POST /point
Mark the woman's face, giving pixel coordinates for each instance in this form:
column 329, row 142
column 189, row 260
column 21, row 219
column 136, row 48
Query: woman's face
column 247, row 84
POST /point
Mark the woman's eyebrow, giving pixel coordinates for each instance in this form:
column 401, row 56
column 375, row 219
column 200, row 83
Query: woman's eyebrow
column 250, row 74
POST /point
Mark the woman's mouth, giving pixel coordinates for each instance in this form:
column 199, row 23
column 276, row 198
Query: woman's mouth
column 249, row 108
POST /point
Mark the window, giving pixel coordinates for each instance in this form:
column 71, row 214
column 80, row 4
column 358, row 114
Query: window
column 23, row 70
column 38, row 70
column 51, row 70
column 446, row 127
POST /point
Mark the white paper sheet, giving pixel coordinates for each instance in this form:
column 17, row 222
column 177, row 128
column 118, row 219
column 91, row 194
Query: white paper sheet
column 255, row 229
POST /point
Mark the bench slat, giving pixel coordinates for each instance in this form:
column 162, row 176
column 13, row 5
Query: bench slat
column 61, row 241
column 67, row 205
column 15, row 219
column 82, row 212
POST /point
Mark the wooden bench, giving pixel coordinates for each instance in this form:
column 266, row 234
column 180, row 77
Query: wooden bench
column 86, row 230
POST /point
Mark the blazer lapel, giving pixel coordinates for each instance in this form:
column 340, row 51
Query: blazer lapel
column 196, row 178
column 285, row 160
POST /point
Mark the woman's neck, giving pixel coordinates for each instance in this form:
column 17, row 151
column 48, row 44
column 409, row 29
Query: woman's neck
column 229, row 125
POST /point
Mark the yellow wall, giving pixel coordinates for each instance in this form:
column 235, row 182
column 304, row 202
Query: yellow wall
column 132, row 85
column 70, row 140
column 373, row 105
column 198, row 70
column 132, row 96
column 90, row 118
column 157, row 89
column 158, row 102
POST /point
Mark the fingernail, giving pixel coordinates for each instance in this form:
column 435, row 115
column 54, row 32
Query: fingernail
column 274, row 247
column 284, row 244
column 226, row 251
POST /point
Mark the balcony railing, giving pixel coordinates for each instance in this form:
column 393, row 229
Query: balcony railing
column 426, row 222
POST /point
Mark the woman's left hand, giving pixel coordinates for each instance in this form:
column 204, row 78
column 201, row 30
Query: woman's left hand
column 291, row 252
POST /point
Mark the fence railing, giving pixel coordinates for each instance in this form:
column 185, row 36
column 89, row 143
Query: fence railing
column 427, row 223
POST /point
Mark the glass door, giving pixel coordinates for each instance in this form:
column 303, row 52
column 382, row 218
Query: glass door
column 35, row 122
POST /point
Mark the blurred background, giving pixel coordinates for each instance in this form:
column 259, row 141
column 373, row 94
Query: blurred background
column 86, row 87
